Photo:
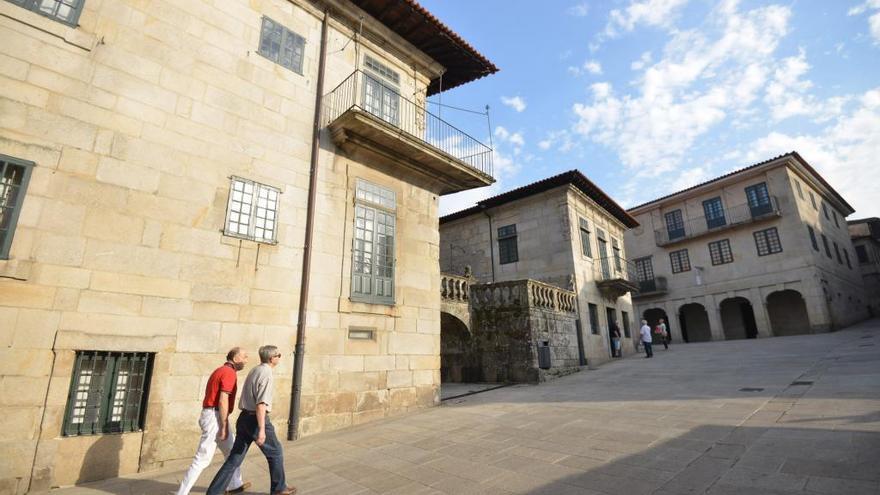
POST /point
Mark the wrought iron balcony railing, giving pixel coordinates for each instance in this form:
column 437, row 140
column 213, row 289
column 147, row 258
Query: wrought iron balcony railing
column 653, row 286
column 363, row 92
column 725, row 219
column 615, row 268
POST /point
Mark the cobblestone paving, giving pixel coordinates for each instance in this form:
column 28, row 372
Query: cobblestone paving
column 808, row 422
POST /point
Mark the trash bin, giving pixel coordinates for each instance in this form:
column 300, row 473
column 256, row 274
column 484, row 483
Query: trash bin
column 544, row 354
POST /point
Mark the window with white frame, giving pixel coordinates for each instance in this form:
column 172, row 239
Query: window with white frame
column 372, row 263
column 252, row 211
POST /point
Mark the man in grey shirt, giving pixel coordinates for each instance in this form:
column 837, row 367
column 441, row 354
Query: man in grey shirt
column 253, row 425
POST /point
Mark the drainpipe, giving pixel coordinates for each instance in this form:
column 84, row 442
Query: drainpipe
column 491, row 243
column 299, row 350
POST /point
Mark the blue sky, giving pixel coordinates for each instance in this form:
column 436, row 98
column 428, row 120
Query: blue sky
column 647, row 97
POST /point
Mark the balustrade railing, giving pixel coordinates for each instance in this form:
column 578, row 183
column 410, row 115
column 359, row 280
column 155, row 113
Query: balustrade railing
column 614, row 268
column 454, row 288
column 523, row 293
column 370, row 94
column 726, row 218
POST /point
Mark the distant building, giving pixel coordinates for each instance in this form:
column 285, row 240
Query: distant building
column 156, row 166
column 865, row 235
column 763, row 251
column 562, row 231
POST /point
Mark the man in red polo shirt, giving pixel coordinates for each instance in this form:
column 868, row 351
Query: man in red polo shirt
column 214, row 422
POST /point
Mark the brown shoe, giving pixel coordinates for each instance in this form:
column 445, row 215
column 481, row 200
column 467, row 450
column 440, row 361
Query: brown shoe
column 244, row 486
column 290, row 490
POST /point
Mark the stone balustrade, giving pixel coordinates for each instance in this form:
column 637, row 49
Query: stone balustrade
column 523, row 293
column 454, row 288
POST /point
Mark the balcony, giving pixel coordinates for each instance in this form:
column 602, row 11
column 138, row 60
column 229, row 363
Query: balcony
column 730, row 218
column 615, row 276
column 365, row 114
column 652, row 287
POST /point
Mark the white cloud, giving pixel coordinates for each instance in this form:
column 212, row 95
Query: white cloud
column 642, row 62
column 593, row 67
column 648, row 12
column 705, row 75
column 579, row 10
column 873, row 20
column 844, row 152
column 517, row 103
column 514, row 139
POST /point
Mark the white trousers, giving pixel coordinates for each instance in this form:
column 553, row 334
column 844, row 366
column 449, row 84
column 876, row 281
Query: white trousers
column 209, row 422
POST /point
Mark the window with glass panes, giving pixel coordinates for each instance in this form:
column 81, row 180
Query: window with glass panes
column 252, row 211
column 507, row 249
column 381, row 95
column 767, row 241
column 594, row 318
column 827, row 247
column 14, row 177
column 714, row 212
column 813, row 200
column 674, row 224
column 846, row 255
column 372, row 264
column 825, row 211
column 800, row 190
column 813, row 238
column 281, row 45
column 862, row 254
column 834, row 215
column 66, row 11
column 615, row 248
column 586, row 247
column 680, row 261
column 720, row 253
column 108, row 392
column 837, row 253
column 759, row 199
column 625, row 317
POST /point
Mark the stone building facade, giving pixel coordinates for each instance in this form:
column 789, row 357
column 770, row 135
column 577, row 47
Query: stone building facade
column 760, row 252
column 865, row 235
column 154, row 200
column 562, row 231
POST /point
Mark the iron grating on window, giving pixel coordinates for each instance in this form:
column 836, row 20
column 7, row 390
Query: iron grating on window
column 14, row 177
column 680, row 261
column 720, row 252
column 767, row 241
column 108, row 392
column 252, row 211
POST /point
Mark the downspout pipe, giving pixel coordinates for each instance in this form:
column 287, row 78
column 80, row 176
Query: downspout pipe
column 300, row 349
column 491, row 243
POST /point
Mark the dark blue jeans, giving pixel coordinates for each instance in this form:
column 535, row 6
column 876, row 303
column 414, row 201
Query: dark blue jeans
column 649, row 352
column 246, row 431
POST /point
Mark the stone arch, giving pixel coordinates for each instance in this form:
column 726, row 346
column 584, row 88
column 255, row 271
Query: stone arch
column 738, row 318
column 455, row 344
column 694, row 323
column 653, row 316
column 788, row 313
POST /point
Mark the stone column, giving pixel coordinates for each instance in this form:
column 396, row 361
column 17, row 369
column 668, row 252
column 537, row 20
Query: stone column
column 714, row 311
column 762, row 317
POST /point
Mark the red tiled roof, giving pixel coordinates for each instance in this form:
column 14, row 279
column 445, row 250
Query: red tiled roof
column 415, row 24
column 792, row 154
column 573, row 177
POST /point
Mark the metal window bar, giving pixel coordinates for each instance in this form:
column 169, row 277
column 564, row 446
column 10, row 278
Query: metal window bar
column 675, row 225
column 608, row 269
column 714, row 211
column 14, row 177
column 733, row 216
column 759, row 199
column 365, row 92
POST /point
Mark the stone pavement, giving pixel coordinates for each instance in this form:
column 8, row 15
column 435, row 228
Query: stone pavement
column 770, row 416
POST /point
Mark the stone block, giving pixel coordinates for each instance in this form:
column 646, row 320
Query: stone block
column 62, row 218
column 198, row 336
column 165, row 307
column 109, row 225
column 35, row 329
column 347, row 363
column 60, row 250
column 24, row 295
column 63, row 276
column 399, row 379
column 379, row 363
column 23, row 390
column 358, row 381
column 137, row 284
column 128, row 175
column 325, row 342
column 423, row 377
column 109, row 302
column 424, row 362
column 215, row 312
column 36, row 363
column 407, row 343
column 402, row 398
column 66, row 299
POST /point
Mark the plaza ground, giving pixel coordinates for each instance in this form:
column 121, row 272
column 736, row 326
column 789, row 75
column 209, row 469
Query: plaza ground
column 771, row 416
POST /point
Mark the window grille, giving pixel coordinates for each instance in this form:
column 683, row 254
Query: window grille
column 644, row 269
column 281, row 45
column 108, row 392
column 64, row 11
column 767, row 241
column 675, row 224
column 252, row 211
column 813, row 238
column 680, row 261
column 594, row 318
column 507, row 247
column 714, row 212
column 372, row 277
column 720, row 253
column 586, row 246
column 14, row 177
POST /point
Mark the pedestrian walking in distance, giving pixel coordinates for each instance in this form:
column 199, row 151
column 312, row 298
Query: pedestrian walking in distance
column 645, row 333
column 615, row 340
column 216, row 409
column 254, row 426
column 664, row 333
